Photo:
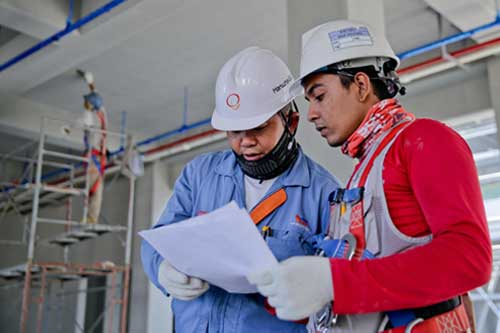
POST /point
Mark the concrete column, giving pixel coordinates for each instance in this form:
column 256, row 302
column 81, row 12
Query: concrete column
column 302, row 16
column 81, row 305
column 139, row 288
column 493, row 66
column 160, row 318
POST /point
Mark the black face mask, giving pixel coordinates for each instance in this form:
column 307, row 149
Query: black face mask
column 274, row 163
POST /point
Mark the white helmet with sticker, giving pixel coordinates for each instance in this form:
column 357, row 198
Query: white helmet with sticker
column 346, row 44
column 251, row 87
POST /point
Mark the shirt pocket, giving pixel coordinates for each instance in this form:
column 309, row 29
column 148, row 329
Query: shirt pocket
column 291, row 241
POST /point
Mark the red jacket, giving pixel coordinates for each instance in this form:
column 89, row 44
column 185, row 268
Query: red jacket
column 431, row 185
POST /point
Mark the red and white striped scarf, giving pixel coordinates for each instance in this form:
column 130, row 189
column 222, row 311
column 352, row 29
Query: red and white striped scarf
column 380, row 118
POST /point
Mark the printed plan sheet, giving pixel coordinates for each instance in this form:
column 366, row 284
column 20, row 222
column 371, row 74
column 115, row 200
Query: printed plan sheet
column 220, row 247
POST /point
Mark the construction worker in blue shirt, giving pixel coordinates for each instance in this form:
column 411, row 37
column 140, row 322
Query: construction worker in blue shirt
column 285, row 192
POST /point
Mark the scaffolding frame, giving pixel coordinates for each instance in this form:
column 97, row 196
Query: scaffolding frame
column 75, row 230
column 61, row 270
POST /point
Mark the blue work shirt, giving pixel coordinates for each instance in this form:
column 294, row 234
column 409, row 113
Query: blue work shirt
column 211, row 181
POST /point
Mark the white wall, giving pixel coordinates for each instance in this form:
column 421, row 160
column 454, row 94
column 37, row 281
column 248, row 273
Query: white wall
column 21, row 116
column 303, row 16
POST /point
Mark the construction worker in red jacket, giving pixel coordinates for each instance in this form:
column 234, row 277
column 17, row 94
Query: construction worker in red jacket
column 408, row 235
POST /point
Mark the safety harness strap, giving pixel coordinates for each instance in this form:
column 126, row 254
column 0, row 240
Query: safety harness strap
column 454, row 321
column 268, row 205
column 357, row 226
column 385, row 141
column 102, row 146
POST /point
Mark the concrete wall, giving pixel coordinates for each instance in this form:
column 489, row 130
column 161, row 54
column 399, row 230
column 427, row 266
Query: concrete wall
column 302, row 17
column 142, row 218
column 159, row 316
column 21, row 116
column 450, row 94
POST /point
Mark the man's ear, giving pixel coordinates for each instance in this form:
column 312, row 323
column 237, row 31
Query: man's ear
column 364, row 86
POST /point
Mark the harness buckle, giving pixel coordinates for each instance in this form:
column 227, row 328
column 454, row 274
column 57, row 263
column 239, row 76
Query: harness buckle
column 412, row 324
column 354, row 195
column 324, row 320
column 336, row 196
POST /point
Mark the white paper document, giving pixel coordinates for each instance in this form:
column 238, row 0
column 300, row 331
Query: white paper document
column 221, row 247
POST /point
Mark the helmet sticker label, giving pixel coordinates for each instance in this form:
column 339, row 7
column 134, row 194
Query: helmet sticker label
column 233, row 101
column 350, row 37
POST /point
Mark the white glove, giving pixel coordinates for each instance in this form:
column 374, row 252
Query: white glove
column 297, row 287
column 178, row 284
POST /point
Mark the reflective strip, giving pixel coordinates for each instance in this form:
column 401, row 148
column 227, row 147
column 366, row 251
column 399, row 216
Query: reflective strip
column 357, row 228
column 268, row 205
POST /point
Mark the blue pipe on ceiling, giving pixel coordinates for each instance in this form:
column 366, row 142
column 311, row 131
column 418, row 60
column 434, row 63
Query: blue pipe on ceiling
column 70, row 27
column 179, row 130
column 163, row 136
column 448, row 40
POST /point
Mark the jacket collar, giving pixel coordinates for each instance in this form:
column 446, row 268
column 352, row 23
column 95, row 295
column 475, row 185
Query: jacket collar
column 297, row 175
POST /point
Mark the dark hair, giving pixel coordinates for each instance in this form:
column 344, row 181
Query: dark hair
column 379, row 86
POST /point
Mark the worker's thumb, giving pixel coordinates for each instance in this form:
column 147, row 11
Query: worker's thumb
column 168, row 274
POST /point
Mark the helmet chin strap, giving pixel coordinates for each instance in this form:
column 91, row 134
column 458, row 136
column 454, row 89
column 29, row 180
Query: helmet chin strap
column 279, row 159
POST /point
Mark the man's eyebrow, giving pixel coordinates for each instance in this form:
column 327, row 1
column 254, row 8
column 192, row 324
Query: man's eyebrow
column 314, row 86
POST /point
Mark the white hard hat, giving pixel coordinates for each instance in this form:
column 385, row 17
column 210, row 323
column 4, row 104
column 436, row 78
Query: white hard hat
column 89, row 77
column 350, row 43
column 251, row 87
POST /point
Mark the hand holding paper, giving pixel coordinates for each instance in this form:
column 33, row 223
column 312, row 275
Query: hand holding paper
column 220, row 247
column 297, row 287
column 178, row 284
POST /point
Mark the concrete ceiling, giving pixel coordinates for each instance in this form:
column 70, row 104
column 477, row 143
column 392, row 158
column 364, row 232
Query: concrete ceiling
column 146, row 52
column 409, row 24
column 143, row 68
column 469, row 14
